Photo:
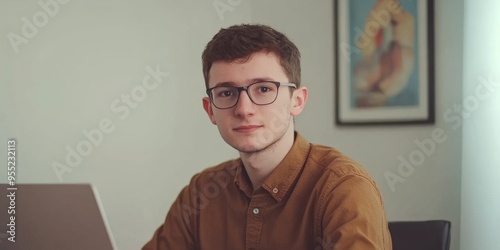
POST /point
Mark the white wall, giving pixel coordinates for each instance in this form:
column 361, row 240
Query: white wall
column 480, row 213
column 90, row 53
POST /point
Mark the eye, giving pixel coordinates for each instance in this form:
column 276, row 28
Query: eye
column 264, row 89
column 226, row 93
column 223, row 92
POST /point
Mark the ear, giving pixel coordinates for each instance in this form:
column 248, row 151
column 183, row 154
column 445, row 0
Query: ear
column 208, row 108
column 299, row 99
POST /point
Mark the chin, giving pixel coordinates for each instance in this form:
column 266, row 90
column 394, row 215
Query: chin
column 247, row 146
column 253, row 145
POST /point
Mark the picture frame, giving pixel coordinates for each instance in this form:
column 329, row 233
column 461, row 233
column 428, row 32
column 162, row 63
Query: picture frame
column 384, row 62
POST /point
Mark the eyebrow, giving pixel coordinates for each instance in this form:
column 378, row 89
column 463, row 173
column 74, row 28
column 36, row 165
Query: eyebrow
column 253, row 80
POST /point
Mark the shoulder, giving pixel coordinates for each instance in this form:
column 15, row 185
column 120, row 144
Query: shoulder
column 221, row 173
column 334, row 162
column 340, row 173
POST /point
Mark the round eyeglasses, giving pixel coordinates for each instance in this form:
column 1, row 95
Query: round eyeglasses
column 260, row 93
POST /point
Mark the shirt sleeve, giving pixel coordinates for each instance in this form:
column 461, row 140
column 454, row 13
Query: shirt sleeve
column 354, row 215
column 177, row 230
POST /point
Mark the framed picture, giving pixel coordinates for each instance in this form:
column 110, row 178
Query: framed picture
column 384, row 62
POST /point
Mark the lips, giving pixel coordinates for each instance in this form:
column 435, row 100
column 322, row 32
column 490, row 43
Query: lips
column 247, row 129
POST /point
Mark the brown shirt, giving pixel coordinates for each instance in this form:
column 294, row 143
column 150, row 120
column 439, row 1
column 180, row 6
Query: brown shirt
column 316, row 198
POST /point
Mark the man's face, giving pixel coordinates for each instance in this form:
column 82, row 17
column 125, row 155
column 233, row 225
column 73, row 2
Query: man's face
column 249, row 127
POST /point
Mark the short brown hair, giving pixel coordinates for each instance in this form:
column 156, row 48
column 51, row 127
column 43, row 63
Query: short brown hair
column 241, row 41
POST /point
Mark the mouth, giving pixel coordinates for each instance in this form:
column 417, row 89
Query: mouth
column 246, row 129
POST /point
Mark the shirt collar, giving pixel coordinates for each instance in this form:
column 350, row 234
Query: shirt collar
column 278, row 183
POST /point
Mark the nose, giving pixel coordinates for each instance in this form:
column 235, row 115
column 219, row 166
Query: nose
column 245, row 106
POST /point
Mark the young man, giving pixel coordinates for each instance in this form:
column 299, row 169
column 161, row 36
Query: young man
column 283, row 192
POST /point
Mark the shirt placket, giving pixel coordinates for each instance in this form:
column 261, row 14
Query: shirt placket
column 255, row 221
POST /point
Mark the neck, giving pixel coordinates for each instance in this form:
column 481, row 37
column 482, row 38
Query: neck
column 259, row 165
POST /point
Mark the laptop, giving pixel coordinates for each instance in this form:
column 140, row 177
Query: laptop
column 53, row 217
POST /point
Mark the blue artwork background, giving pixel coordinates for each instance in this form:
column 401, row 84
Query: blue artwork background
column 358, row 12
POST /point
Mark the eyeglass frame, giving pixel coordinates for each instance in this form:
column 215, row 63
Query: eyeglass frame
column 245, row 88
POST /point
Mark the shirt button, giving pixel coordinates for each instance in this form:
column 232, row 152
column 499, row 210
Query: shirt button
column 275, row 190
column 255, row 211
